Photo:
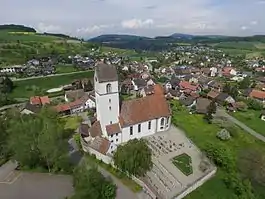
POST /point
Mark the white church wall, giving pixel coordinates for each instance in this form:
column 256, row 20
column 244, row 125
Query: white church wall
column 115, row 138
column 163, row 123
column 145, row 131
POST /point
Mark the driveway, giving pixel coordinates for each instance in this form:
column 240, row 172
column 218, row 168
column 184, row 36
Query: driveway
column 222, row 113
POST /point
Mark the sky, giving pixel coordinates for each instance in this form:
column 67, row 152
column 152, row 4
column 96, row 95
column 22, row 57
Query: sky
column 89, row 18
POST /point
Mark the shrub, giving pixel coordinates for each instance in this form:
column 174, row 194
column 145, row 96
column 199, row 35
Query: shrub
column 233, row 130
column 223, row 135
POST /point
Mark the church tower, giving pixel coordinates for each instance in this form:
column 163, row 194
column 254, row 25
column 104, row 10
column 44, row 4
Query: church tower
column 107, row 95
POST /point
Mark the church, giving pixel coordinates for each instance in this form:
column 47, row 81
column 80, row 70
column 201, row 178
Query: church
column 118, row 122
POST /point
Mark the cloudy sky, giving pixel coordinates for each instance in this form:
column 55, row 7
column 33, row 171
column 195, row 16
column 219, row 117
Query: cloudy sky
column 88, row 18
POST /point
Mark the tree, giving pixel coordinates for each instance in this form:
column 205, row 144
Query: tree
column 3, row 139
column 245, row 83
column 211, row 109
column 51, row 143
column 90, row 183
column 38, row 140
column 231, row 90
column 134, row 157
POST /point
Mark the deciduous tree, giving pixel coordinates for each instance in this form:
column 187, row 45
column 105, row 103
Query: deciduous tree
column 134, row 157
column 90, row 183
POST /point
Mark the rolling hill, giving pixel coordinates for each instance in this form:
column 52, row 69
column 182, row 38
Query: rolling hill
column 19, row 43
column 233, row 45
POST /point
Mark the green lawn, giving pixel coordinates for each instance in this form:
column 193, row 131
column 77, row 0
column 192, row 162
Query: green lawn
column 252, row 119
column 65, row 68
column 183, row 163
column 23, row 88
column 72, row 123
column 202, row 133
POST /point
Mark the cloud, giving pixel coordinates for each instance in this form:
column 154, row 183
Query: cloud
column 253, row 23
column 244, row 27
column 137, row 23
column 143, row 17
column 42, row 27
column 93, row 29
column 151, row 7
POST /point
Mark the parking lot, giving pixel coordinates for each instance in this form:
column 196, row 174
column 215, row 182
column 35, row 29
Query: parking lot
column 165, row 178
column 22, row 185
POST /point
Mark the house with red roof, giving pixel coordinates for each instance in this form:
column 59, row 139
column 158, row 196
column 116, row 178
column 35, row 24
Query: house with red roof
column 229, row 71
column 189, row 87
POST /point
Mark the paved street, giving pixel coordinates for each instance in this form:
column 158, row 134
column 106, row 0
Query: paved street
column 123, row 192
column 223, row 113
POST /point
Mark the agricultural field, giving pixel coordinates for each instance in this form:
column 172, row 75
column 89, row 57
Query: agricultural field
column 252, row 119
column 38, row 86
column 249, row 49
column 203, row 134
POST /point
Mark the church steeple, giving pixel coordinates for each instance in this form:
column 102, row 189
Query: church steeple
column 107, row 95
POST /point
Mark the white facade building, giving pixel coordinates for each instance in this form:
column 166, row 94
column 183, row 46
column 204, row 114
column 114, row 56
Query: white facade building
column 118, row 122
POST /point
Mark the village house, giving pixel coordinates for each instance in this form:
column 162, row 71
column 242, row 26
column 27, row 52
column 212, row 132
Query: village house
column 117, row 122
column 39, row 100
column 188, row 87
column 223, row 98
column 258, row 95
column 229, row 71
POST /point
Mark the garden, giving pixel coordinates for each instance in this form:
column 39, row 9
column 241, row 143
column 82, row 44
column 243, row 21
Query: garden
column 183, row 163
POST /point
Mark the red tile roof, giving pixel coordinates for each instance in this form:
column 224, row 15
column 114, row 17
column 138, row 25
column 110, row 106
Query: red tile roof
column 95, row 129
column 187, row 85
column 35, row 100
column 62, row 107
column 257, row 94
column 113, row 128
column 101, row 145
column 144, row 109
column 45, row 100
column 213, row 94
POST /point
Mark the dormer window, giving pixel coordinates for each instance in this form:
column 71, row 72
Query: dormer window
column 108, row 88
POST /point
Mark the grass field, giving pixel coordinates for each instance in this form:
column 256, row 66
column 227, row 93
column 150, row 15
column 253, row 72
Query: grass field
column 252, row 119
column 202, row 133
column 21, row 87
column 183, row 163
column 65, row 68
column 249, row 49
column 72, row 123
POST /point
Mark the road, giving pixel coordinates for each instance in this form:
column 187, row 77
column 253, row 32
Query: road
column 55, row 75
column 222, row 113
column 122, row 191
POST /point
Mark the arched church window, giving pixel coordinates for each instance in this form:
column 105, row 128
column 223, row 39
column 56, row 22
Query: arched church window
column 108, row 88
column 162, row 122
